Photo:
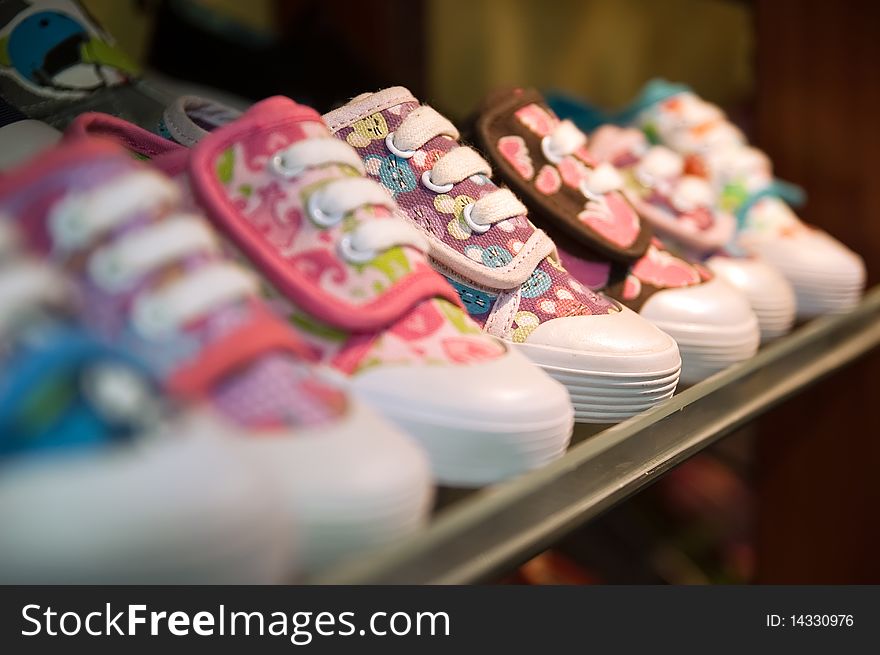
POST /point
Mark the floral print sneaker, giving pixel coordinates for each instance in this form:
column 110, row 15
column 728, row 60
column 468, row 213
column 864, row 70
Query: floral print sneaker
column 155, row 282
column 87, row 451
column 352, row 276
column 826, row 275
column 507, row 273
column 684, row 208
column 581, row 202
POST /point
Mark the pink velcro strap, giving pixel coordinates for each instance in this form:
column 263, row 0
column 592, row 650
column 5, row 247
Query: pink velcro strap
column 234, row 351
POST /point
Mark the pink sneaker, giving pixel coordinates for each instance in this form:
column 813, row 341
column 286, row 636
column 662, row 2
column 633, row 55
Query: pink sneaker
column 353, row 278
column 506, row 272
column 827, row 277
column 603, row 240
column 155, row 282
column 684, row 208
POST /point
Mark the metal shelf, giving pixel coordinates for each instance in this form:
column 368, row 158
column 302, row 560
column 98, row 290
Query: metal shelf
column 496, row 529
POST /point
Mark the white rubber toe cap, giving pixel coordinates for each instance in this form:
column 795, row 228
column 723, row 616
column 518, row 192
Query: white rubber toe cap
column 480, row 422
column 713, row 324
column 827, row 276
column 622, row 342
column 352, row 486
column 771, row 296
column 175, row 508
column 711, row 304
column 614, row 365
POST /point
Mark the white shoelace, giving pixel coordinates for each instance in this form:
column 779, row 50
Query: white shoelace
column 26, row 285
column 663, row 169
column 455, row 166
column 81, row 219
column 328, row 205
column 562, row 142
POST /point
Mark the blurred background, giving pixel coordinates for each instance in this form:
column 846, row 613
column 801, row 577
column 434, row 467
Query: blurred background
column 791, row 499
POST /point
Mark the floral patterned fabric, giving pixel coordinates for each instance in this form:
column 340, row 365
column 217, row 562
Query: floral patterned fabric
column 270, row 390
column 547, row 293
column 680, row 206
column 396, row 310
column 718, row 151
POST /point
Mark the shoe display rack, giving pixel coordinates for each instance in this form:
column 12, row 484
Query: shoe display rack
column 490, row 532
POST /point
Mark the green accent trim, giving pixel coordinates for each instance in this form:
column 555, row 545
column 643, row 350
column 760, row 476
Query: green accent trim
column 309, row 325
column 4, row 52
column 225, row 165
column 393, row 263
column 96, row 51
column 46, row 404
column 457, row 317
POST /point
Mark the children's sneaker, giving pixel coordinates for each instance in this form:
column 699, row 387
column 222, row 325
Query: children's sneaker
column 355, row 281
column 154, row 281
column 683, row 208
column 827, row 277
column 603, row 241
column 506, row 272
column 95, row 484
column 56, row 62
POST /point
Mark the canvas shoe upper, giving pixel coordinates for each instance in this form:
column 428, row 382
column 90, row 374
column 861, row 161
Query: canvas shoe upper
column 353, row 277
column 506, row 271
column 684, row 209
column 154, row 281
column 57, row 62
column 825, row 274
column 603, row 241
column 98, row 481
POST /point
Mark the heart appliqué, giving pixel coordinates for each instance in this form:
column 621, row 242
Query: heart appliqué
column 548, row 181
column 514, row 150
column 664, row 270
column 612, row 217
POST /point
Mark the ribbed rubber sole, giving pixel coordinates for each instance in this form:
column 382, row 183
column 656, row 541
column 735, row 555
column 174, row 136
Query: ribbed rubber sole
column 611, row 398
column 708, row 349
column 495, row 451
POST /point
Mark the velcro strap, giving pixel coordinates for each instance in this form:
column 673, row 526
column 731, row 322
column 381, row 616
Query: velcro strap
column 234, row 351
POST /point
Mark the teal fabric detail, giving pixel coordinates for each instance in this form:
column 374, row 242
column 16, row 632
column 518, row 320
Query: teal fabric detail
column 586, row 116
column 790, row 193
column 476, row 302
column 656, row 90
column 60, row 355
column 589, row 117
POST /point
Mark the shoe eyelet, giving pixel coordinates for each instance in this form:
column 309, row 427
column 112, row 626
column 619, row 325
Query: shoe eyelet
column 588, row 194
column 107, row 270
column 69, row 230
column 150, row 319
column 279, row 165
column 353, row 255
column 403, row 154
column 318, row 215
column 436, row 188
column 475, row 227
column 552, row 156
